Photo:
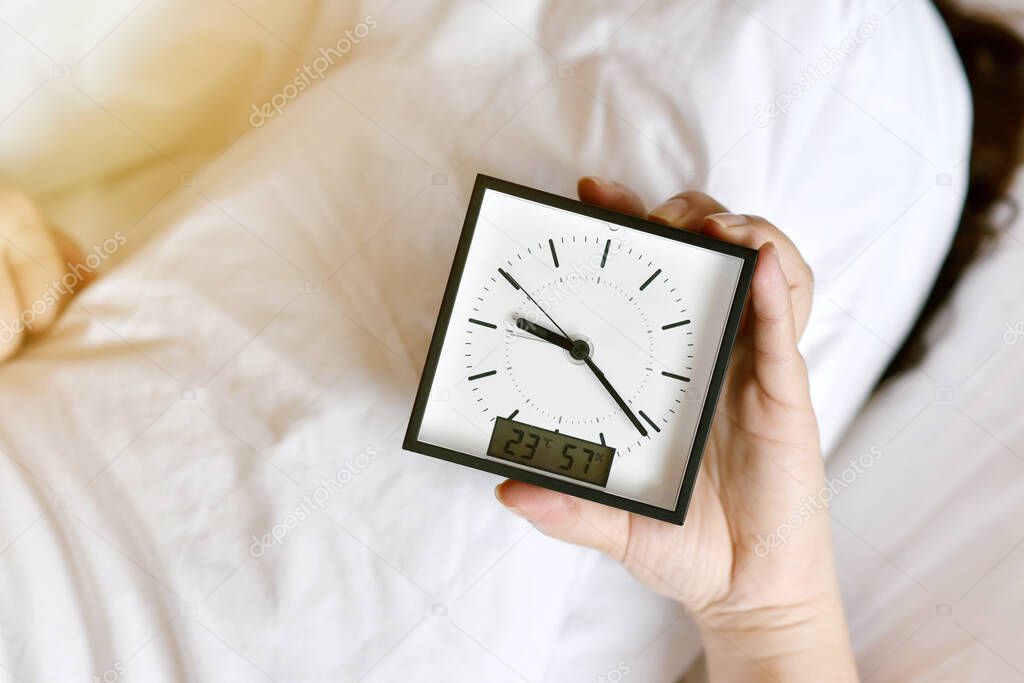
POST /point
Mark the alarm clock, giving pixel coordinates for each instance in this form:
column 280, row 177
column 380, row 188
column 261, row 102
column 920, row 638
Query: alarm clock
column 580, row 349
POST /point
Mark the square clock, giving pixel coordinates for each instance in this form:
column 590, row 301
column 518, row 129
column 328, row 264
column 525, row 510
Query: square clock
column 580, row 349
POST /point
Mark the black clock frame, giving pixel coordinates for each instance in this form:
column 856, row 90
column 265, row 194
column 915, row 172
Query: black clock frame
column 412, row 441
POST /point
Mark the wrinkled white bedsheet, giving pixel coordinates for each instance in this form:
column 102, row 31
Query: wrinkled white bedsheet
column 259, row 337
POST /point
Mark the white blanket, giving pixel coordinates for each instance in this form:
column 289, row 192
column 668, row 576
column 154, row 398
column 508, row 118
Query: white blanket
column 258, row 338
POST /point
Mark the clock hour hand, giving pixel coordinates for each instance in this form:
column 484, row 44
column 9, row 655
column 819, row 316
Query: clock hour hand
column 544, row 333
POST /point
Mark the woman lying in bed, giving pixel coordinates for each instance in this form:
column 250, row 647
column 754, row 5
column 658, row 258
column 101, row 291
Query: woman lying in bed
column 771, row 610
column 766, row 613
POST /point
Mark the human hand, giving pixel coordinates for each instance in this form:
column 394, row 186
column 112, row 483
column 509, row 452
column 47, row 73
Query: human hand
column 761, row 464
column 40, row 271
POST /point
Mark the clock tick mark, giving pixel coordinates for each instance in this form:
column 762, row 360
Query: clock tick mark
column 649, row 421
column 650, row 280
column 678, row 324
column 510, row 279
column 554, row 254
column 483, row 324
column 513, row 414
column 675, row 376
column 604, row 257
column 472, row 378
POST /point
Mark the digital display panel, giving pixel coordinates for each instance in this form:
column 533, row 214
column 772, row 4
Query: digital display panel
column 551, row 451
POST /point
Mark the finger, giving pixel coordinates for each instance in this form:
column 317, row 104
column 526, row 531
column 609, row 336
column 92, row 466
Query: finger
column 33, row 258
column 71, row 256
column 59, row 291
column 12, row 332
column 778, row 366
column 686, row 210
column 570, row 519
column 753, row 232
column 610, row 195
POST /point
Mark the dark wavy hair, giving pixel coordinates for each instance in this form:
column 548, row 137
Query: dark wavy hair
column 993, row 57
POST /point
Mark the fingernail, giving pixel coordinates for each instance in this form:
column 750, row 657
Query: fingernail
column 728, row 220
column 672, row 210
column 601, row 182
column 769, row 254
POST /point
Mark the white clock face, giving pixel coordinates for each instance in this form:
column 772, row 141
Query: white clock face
column 583, row 328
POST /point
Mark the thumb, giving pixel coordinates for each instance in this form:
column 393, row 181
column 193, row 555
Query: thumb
column 778, row 365
column 567, row 518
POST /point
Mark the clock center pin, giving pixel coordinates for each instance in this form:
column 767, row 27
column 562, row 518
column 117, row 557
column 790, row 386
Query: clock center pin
column 580, row 350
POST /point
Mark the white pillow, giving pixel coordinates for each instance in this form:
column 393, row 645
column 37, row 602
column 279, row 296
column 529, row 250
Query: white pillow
column 96, row 89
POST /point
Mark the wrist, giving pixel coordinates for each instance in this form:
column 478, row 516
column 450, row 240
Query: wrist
column 805, row 640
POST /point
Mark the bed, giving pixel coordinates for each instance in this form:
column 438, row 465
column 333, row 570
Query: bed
column 202, row 476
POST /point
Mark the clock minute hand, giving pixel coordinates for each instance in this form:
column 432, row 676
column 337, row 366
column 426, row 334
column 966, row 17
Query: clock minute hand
column 544, row 333
column 615, row 395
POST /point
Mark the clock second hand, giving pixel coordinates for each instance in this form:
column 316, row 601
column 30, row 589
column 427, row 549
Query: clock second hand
column 540, row 308
column 564, row 342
